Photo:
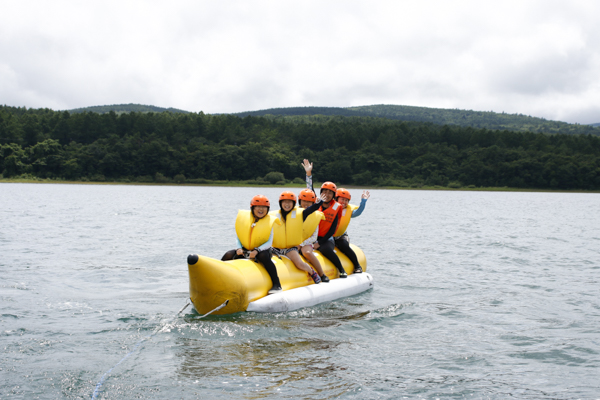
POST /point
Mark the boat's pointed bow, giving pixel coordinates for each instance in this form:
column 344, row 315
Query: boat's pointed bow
column 212, row 282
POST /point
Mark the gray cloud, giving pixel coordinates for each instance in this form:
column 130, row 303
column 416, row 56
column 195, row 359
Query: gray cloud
column 536, row 57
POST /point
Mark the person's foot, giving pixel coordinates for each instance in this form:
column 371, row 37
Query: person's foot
column 315, row 277
column 324, row 278
column 275, row 289
column 343, row 274
column 358, row 270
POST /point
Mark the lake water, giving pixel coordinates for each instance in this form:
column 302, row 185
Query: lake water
column 478, row 295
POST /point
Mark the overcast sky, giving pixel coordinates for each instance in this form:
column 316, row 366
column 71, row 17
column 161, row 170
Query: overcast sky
column 535, row 57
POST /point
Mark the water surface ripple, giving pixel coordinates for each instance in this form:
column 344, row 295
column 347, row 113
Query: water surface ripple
column 477, row 295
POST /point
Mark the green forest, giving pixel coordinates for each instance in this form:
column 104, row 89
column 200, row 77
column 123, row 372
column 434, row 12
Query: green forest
column 125, row 108
column 439, row 116
column 353, row 150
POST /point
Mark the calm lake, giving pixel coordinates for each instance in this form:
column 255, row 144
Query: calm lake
column 478, row 295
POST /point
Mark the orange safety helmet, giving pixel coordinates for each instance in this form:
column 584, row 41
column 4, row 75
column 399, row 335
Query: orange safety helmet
column 330, row 186
column 287, row 195
column 307, row 195
column 260, row 200
column 341, row 192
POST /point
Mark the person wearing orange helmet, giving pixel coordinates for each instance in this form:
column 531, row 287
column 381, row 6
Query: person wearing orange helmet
column 342, row 241
column 332, row 210
column 310, row 232
column 288, row 235
column 254, row 231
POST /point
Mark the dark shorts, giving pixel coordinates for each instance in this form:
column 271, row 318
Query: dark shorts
column 283, row 252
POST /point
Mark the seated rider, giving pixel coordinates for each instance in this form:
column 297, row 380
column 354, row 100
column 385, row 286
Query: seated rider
column 288, row 236
column 327, row 227
column 254, row 230
column 310, row 231
column 342, row 241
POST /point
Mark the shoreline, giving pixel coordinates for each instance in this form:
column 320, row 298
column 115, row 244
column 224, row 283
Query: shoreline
column 295, row 185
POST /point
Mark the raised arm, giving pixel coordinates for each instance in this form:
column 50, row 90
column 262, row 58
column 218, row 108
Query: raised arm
column 363, row 202
column 308, row 168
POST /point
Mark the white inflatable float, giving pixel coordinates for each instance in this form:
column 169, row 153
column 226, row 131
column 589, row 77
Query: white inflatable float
column 244, row 284
column 312, row 295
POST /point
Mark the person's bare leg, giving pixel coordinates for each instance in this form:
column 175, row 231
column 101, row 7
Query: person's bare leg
column 307, row 252
column 295, row 257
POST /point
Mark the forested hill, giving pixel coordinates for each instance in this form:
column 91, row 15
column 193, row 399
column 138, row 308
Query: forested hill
column 125, row 108
column 199, row 148
column 440, row 116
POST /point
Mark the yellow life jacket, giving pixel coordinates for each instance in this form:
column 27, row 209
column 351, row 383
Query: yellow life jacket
column 311, row 223
column 250, row 236
column 289, row 233
column 345, row 221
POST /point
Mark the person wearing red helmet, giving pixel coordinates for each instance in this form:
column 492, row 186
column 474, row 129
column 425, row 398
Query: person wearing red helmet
column 288, row 235
column 310, row 232
column 342, row 241
column 254, row 231
column 332, row 210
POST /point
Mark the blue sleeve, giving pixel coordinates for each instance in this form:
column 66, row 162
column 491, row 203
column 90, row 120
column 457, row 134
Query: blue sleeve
column 239, row 244
column 266, row 245
column 360, row 209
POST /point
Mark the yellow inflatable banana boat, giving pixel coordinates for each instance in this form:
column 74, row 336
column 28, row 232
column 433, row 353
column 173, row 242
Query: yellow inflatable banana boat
column 244, row 283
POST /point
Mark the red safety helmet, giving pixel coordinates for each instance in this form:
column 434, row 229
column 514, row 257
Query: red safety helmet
column 329, row 186
column 341, row 192
column 260, row 200
column 287, row 195
column 307, row 195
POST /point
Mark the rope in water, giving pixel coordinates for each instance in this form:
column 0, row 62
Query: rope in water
column 160, row 328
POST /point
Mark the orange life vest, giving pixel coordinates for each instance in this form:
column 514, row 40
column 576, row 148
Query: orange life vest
column 334, row 209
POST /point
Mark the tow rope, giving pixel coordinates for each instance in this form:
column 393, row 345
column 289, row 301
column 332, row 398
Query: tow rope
column 157, row 330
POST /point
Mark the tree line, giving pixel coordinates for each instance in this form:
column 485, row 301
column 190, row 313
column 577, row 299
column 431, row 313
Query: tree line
column 364, row 151
column 439, row 116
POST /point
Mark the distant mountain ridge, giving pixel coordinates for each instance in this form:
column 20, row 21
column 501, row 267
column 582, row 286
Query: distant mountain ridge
column 126, row 108
column 439, row 116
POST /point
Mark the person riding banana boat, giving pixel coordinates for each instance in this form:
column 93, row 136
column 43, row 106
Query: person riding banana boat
column 342, row 197
column 254, row 230
column 288, row 236
column 266, row 273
